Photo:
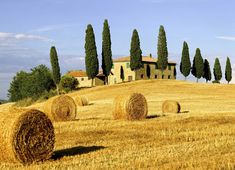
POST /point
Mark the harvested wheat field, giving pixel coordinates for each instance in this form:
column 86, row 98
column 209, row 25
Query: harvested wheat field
column 201, row 136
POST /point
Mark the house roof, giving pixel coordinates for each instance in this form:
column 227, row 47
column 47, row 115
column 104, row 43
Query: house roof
column 144, row 59
column 81, row 73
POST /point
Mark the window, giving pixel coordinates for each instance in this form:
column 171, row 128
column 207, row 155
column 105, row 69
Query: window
column 127, row 65
column 169, row 67
column 142, row 76
column 82, row 79
column 155, row 76
column 169, row 77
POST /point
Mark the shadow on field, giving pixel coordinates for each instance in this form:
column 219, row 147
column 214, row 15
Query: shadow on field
column 152, row 116
column 75, row 151
column 185, row 111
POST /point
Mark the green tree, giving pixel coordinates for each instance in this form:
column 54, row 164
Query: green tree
column 135, row 52
column 91, row 57
column 197, row 68
column 55, row 67
column 228, row 71
column 185, row 64
column 107, row 61
column 217, row 70
column 162, row 51
column 122, row 76
column 68, row 83
column 206, row 71
column 32, row 84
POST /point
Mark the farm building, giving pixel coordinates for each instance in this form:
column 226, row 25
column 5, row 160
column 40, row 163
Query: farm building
column 84, row 81
column 149, row 71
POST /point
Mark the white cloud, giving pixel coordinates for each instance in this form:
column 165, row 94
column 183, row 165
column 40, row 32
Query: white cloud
column 229, row 38
column 5, row 36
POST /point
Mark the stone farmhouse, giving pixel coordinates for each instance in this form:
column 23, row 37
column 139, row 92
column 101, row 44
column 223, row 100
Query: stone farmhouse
column 149, row 71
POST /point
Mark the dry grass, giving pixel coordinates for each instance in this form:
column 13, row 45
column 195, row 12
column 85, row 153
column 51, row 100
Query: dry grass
column 202, row 136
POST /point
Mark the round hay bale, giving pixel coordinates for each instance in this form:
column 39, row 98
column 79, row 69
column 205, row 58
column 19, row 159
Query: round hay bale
column 81, row 100
column 170, row 106
column 61, row 108
column 130, row 107
column 26, row 136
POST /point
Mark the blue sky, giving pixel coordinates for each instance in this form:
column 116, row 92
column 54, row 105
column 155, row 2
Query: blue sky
column 29, row 28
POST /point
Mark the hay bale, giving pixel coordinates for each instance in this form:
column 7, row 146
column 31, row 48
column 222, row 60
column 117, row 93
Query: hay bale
column 61, row 108
column 130, row 107
column 81, row 100
column 26, row 136
column 170, row 106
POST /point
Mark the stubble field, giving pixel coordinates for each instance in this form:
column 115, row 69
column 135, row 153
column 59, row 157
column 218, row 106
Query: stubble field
column 202, row 136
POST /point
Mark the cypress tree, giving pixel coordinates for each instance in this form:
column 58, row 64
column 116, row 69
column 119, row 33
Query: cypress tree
column 107, row 61
column 55, row 67
column 228, row 71
column 197, row 68
column 135, row 52
column 217, row 70
column 91, row 57
column 185, row 64
column 162, row 50
column 206, row 71
column 122, row 76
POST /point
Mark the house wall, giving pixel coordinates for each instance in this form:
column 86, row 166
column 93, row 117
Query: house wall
column 99, row 81
column 84, row 82
column 128, row 74
column 155, row 73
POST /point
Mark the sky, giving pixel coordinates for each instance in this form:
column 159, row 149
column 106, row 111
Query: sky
column 29, row 28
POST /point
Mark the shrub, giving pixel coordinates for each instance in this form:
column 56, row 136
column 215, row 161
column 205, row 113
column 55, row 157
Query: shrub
column 216, row 81
column 68, row 83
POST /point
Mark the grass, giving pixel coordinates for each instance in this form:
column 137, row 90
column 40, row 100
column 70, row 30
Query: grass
column 202, row 136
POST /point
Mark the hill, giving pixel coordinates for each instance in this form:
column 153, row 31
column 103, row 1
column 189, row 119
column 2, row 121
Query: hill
column 201, row 136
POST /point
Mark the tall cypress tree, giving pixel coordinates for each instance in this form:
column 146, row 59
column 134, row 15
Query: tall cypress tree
column 162, row 50
column 185, row 64
column 197, row 68
column 55, row 67
column 91, row 57
column 217, row 70
column 107, row 61
column 206, row 71
column 228, row 71
column 135, row 52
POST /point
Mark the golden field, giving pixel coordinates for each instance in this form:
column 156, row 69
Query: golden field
column 202, row 136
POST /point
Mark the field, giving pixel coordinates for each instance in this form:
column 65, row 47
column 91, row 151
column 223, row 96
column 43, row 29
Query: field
column 202, row 136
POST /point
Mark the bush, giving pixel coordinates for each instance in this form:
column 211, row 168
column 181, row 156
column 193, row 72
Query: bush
column 68, row 83
column 46, row 95
column 25, row 102
column 216, row 81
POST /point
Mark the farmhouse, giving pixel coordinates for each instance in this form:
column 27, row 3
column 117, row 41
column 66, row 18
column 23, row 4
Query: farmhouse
column 149, row 71
column 84, row 81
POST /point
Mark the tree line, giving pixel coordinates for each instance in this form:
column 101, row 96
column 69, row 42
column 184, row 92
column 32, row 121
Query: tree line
column 40, row 81
column 201, row 68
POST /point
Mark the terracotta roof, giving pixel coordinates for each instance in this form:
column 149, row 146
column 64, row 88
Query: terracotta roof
column 144, row 59
column 82, row 73
column 78, row 73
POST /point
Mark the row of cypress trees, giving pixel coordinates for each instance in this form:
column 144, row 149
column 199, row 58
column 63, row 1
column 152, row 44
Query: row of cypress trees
column 91, row 57
column 201, row 68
